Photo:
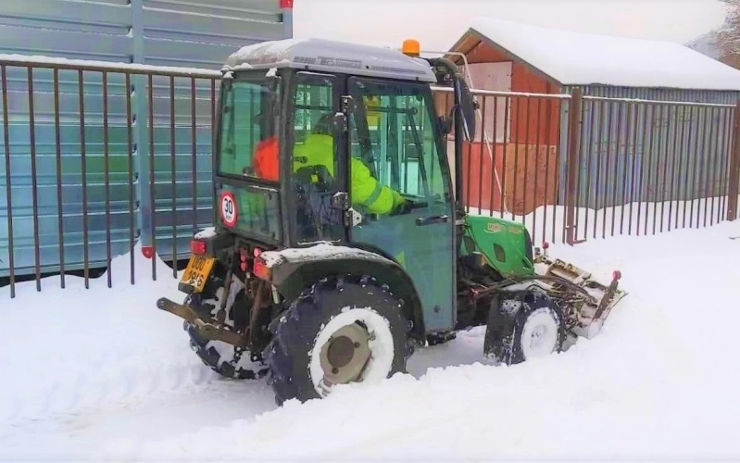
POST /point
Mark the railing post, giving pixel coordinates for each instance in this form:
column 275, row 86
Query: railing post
column 571, row 163
column 734, row 180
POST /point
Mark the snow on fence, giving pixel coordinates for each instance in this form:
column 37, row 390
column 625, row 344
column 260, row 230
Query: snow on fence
column 99, row 157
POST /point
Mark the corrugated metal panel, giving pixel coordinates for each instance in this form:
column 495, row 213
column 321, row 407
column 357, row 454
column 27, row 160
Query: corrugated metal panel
column 74, row 29
column 671, row 146
column 200, row 33
column 46, row 164
column 661, row 94
column 203, row 34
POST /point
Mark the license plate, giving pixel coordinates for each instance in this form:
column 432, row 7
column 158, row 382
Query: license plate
column 197, row 271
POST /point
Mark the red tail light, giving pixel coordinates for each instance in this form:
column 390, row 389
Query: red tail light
column 148, row 251
column 260, row 269
column 198, row 247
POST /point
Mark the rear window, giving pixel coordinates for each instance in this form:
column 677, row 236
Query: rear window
column 255, row 210
column 249, row 143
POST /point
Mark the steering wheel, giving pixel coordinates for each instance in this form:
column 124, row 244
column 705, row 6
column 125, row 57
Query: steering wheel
column 317, row 176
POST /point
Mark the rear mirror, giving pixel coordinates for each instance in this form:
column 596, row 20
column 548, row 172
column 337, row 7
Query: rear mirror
column 465, row 108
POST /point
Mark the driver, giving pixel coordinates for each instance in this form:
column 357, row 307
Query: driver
column 318, row 150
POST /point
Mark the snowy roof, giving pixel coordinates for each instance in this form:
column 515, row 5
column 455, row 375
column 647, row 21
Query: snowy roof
column 573, row 58
column 331, row 56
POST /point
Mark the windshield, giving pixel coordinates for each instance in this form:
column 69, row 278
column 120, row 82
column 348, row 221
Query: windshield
column 249, row 143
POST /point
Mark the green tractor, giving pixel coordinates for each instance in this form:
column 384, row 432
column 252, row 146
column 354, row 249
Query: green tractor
column 341, row 243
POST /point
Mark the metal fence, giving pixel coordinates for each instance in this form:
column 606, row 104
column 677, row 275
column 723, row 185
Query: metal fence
column 86, row 169
column 98, row 157
column 572, row 167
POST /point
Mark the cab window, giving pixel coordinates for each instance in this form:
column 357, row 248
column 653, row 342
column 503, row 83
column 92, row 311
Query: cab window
column 314, row 175
column 249, row 142
column 398, row 142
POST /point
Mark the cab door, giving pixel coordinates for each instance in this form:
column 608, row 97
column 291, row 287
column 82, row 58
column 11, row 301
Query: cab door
column 315, row 171
column 400, row 185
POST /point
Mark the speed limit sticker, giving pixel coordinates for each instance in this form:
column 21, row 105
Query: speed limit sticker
column 229, row 213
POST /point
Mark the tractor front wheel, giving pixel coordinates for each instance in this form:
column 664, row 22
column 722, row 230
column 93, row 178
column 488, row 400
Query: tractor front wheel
column 341, row 330
column 524, row 326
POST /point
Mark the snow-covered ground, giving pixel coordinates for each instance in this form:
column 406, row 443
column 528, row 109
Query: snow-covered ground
column 101, row 373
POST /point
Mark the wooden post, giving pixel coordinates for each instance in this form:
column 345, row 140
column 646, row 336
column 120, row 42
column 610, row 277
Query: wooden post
column 734, row 180
column 571, row 163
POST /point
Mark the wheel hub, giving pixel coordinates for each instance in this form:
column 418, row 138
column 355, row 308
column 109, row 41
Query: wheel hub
column 340, row 352
column 540, row 334
column 345, row 355
column 536, row 340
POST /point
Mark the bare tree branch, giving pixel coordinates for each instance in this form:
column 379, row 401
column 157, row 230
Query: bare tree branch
column 727, row 37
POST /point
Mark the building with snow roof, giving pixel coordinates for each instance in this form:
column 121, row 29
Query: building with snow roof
column 512, row 57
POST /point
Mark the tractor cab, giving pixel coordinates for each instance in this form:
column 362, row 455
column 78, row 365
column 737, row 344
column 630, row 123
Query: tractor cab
column 327, row 142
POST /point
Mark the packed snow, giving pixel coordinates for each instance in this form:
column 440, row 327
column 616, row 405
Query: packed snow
column 320, row 251
column 574, row 58
column 102, row 374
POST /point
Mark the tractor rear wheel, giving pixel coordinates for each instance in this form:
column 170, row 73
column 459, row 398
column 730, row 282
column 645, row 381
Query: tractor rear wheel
column 341, row 330
column 225, row 359
column 524, row 326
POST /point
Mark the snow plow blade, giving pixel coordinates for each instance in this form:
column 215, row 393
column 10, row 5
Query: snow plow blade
column 207, row 329
column 588, row 302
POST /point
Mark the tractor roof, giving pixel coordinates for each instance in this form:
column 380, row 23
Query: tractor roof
column 330, row 56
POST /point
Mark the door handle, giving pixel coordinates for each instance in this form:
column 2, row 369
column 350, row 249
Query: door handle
column 432, row 219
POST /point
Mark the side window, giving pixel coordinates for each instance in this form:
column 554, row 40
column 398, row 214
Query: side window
column 393, row 138
column 421, row 161
column 314, row 164
column 249, row 125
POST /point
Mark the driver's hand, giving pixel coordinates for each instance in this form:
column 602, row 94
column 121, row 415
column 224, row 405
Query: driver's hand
column 402, row 208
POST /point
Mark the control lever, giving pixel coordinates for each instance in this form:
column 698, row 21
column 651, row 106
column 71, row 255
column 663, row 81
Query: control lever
column 432, row 219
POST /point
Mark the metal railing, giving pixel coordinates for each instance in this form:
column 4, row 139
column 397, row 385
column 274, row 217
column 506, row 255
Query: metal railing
column 99, row 157
column 572, row 167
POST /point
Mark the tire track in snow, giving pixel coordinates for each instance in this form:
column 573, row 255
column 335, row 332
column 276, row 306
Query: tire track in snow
column 102, row 383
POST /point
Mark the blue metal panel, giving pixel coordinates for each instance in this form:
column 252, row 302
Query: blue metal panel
column 71, row 180
column 199, row 33
column 647, row 155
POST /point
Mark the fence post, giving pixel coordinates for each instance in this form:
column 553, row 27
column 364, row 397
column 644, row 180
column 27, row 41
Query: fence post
column 732, row 188
column 574, row 122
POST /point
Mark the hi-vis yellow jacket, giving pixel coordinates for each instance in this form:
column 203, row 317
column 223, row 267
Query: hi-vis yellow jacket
column 318, row 150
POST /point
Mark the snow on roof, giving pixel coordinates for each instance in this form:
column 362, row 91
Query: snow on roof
column 573, row 58
column 331, row 56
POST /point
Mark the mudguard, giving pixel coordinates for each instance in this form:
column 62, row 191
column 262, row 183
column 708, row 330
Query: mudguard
column 295, row 269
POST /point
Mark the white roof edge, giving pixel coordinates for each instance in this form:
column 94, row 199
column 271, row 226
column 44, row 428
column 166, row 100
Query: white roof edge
column 573, row 58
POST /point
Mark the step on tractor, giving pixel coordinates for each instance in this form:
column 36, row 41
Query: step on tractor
column 341, row 243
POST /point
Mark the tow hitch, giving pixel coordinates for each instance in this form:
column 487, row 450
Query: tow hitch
column 208, row 329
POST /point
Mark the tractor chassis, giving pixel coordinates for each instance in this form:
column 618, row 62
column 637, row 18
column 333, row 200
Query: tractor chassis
column 585, row 302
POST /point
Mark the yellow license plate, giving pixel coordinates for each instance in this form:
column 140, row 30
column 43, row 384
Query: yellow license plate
column 197, row 271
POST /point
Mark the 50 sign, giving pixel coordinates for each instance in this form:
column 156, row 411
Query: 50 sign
column 229, row 212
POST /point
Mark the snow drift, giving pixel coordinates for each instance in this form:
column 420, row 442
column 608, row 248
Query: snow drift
column 103, row 374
